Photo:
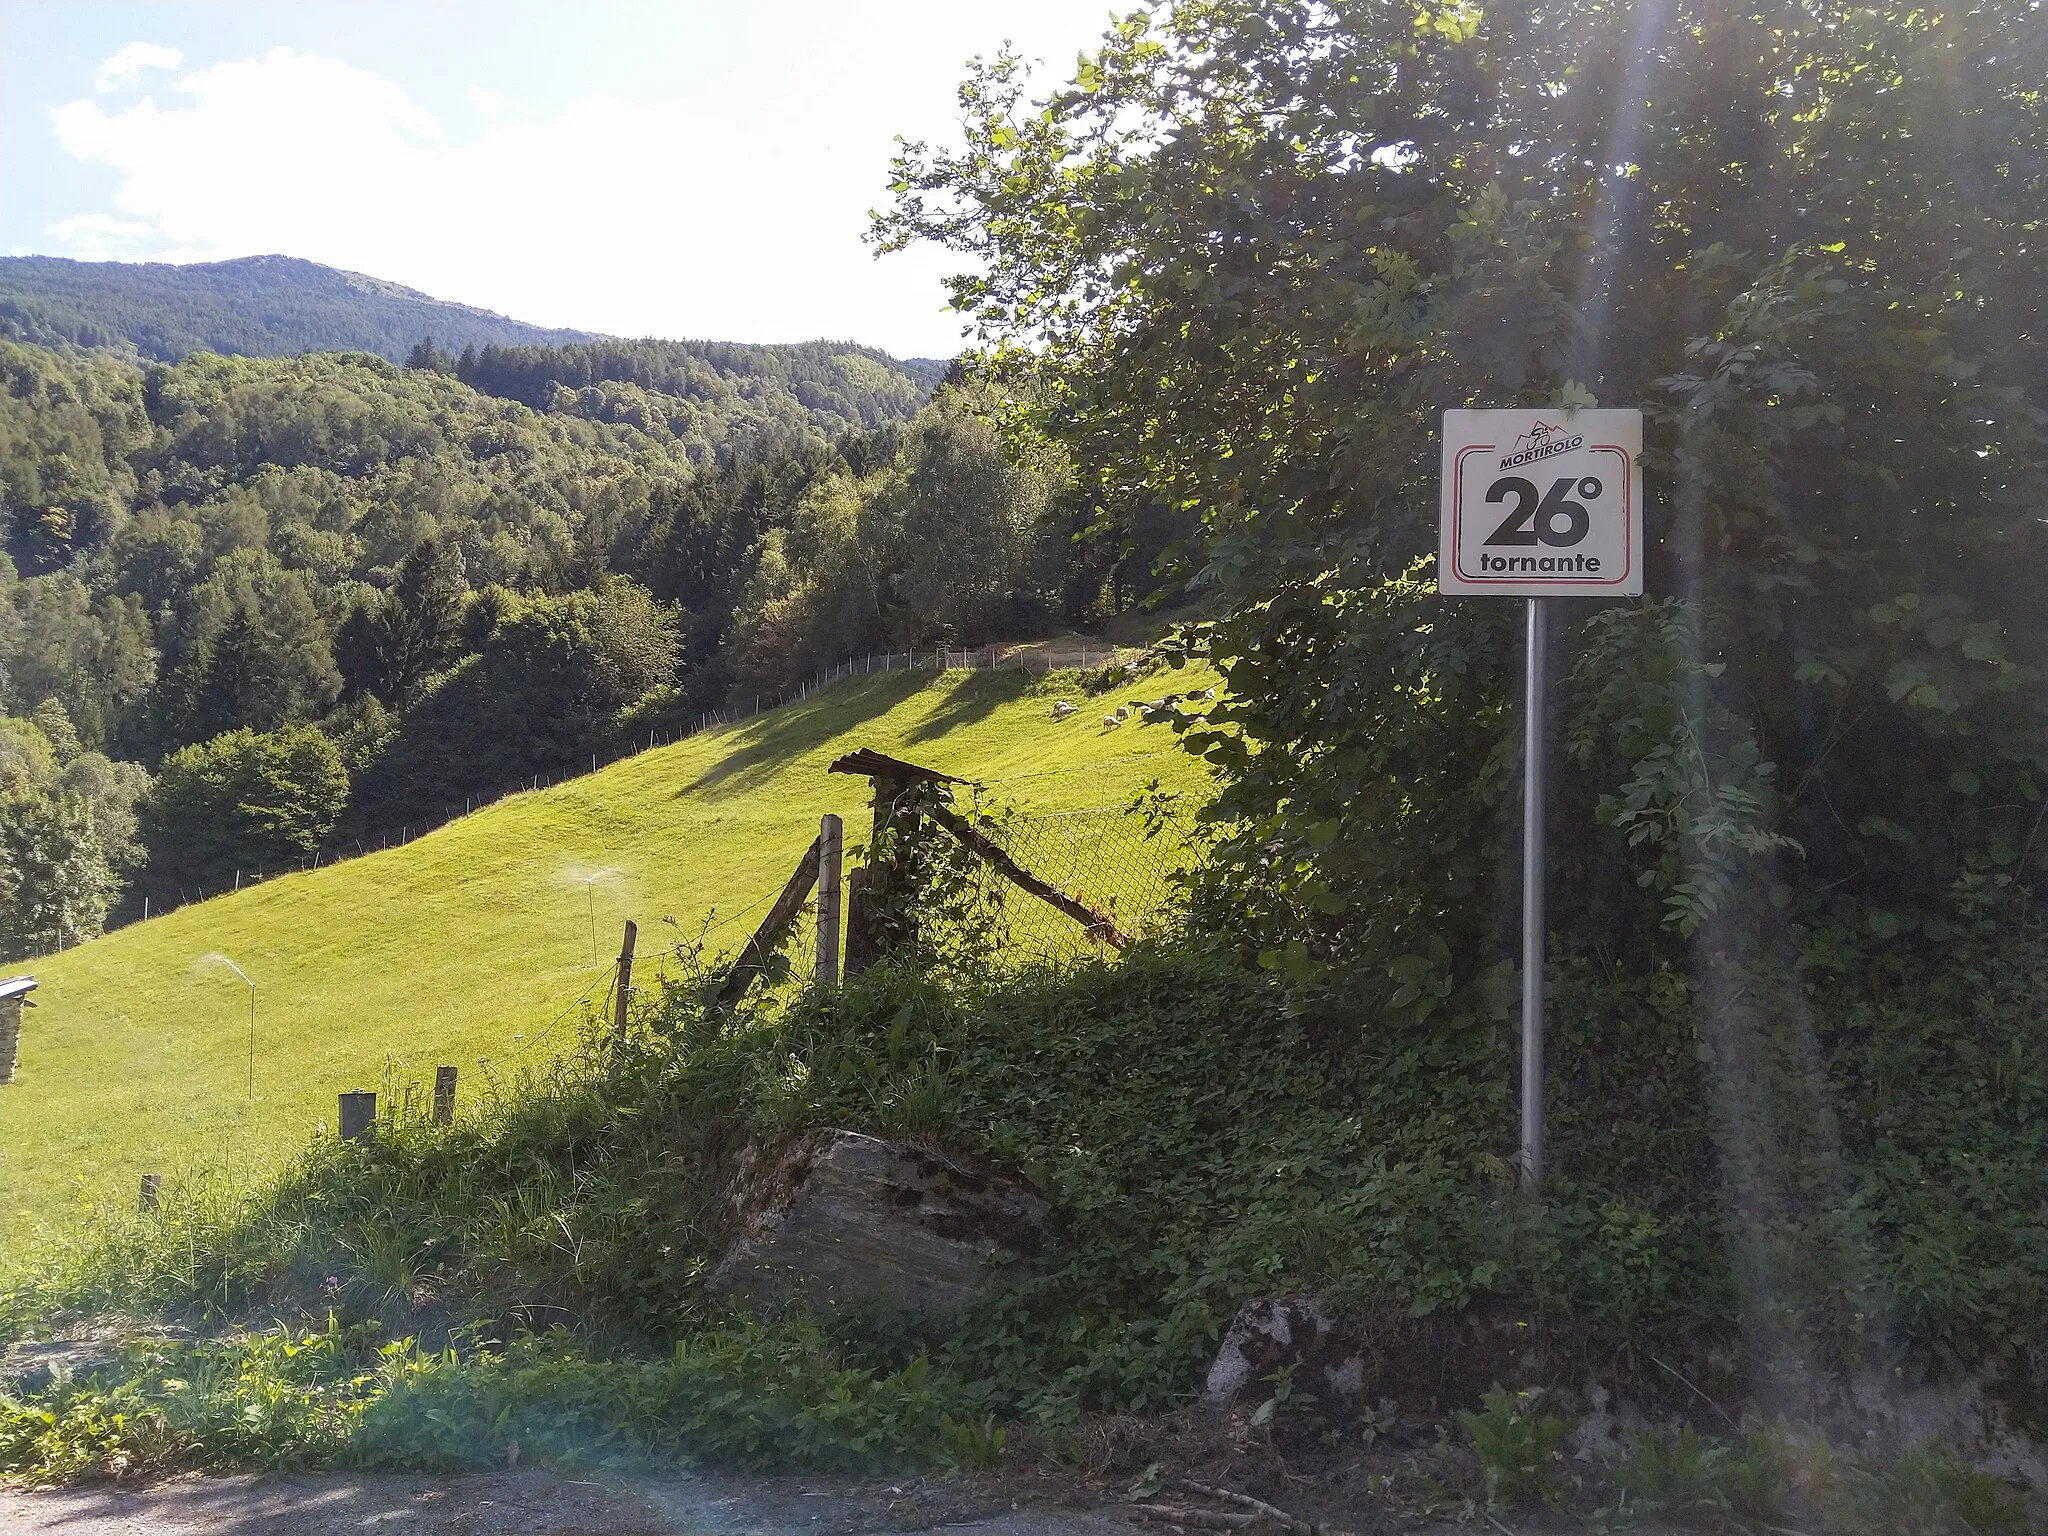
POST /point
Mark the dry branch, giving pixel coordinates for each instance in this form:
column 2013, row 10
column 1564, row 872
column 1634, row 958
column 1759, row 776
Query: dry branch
column 1290, row 1523
column 1100, row 924
column 1201, row 1519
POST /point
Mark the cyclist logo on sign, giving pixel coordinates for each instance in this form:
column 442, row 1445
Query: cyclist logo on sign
column 1537, row 504
column 1540, row 442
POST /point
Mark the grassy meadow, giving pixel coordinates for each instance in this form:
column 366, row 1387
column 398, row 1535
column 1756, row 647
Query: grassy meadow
column 476, row 943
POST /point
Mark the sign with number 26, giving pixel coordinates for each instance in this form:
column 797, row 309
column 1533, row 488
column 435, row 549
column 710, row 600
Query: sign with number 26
column 1541, row 503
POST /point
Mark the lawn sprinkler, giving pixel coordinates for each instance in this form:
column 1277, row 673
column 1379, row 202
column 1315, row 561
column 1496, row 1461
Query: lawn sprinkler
column 590, row 879
column 216, row 961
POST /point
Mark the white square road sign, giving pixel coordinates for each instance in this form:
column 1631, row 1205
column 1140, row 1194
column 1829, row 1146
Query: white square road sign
column 1542, row 504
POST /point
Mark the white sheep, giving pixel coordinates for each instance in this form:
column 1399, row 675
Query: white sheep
column 1061, row 709
column 1111, row 722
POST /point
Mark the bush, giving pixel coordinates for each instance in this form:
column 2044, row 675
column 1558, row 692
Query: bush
column 1206, row 1142
column 549, row 686
column 337, row 1397
column 242, row 801
column 1519, row 1449
column 55, row 883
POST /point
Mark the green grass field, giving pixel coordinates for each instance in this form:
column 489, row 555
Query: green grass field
column 474, row 943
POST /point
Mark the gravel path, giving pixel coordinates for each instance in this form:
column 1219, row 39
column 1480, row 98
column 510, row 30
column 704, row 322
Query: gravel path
column 531, row 1503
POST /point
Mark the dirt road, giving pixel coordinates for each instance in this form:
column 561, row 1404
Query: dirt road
column 532, row 1503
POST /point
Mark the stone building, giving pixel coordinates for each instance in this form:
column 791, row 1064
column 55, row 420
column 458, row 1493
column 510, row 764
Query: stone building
column 14, row 993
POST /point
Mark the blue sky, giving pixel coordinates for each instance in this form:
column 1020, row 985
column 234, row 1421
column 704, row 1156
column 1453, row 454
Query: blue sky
column 678, row 169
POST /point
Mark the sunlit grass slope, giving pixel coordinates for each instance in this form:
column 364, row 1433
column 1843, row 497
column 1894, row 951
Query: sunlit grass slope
column 474, row 943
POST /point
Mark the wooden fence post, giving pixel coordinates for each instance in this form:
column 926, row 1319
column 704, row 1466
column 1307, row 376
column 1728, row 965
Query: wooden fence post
column 860, row 938
column 830, row 837
column 146, row 1199
column 444, row 1095
column 774, row 928
column 625, row 987
column 357, row 1115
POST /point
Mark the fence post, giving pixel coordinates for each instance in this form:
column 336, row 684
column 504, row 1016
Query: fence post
column 625, row 986
column 444, row 1095
column 830, row 838
column 860, row 939
column 357, row 1115
column 147, row 1198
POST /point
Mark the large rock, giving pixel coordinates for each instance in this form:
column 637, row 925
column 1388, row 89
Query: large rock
column 1277, row 1333
column 35, row 1366
column 838, row 1218
column 1389, row 1362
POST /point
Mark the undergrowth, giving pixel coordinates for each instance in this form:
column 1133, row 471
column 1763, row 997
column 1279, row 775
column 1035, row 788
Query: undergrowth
column 542, row 1261
column 747, row 1397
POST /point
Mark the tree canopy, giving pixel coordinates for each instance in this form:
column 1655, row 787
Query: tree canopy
column 236, row 548
column 1260, row 246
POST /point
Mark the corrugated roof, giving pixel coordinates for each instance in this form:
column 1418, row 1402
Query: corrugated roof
column 14, row 986
column 881, row 766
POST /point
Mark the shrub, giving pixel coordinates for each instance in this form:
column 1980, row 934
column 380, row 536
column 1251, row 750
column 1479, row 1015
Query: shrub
column 244, row 800
column 55, row 883
column 337, row 1397
column 1519, row 1449
column 1679, row 1475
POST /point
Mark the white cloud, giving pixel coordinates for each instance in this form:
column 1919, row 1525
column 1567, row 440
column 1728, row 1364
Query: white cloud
column 489, row 103
column 125, row 66
column 608, row 215
column 100, row 236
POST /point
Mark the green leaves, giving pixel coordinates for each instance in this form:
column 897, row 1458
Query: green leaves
column 245, row 801
column 1697, row 794
column 1322, row 236
column 1422, row 981
column 1519, row 1448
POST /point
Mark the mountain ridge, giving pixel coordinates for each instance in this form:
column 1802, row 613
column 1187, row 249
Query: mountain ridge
column 252, row 306
column 262, row 306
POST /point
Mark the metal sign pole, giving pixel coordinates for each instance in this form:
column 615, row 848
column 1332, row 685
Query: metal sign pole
column 1536, row 730
column 1539, row 503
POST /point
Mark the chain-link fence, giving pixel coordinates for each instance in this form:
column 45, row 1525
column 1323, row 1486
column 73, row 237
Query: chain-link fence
column 1124, row 864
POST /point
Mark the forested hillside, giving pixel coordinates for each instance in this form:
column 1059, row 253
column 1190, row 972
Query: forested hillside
column 846, row 387
column 250, row 605
column 256, row 306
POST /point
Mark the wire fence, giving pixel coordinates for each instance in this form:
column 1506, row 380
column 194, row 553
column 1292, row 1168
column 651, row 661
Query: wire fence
column 1128, row 865
column 1039, row 657
column 1123, row 863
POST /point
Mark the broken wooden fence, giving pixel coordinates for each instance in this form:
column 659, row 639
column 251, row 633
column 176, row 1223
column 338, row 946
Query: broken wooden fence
column 819, row 869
